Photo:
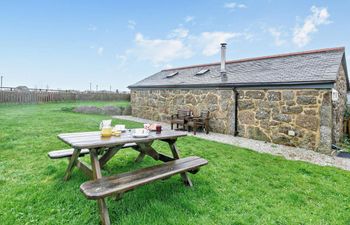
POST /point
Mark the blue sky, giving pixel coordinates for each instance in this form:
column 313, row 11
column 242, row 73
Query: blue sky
column 68, row 44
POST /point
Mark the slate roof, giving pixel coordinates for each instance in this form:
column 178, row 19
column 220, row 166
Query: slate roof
column 310, row 67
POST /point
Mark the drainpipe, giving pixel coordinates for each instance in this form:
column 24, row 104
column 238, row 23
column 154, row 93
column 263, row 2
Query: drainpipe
column 235, row 92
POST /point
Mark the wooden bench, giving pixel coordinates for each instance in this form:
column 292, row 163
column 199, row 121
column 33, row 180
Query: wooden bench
column 66, row 153
column 121, row 183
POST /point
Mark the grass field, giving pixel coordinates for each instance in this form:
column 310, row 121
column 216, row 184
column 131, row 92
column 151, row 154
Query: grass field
column 238, row 186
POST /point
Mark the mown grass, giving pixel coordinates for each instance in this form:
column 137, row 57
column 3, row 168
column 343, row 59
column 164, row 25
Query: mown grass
column 238, row 186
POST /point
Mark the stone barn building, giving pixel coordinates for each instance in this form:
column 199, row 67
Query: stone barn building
column 295, row 99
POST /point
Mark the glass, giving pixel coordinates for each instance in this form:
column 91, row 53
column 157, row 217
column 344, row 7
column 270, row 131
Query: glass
column 158, row 129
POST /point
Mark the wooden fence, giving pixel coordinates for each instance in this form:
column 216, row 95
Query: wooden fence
column 47, row 96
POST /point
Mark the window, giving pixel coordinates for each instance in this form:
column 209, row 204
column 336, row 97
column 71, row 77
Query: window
column 202, row 71
column 171, row 74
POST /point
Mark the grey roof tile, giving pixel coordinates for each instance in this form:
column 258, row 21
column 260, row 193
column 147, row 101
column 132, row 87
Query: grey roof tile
column 312, row 66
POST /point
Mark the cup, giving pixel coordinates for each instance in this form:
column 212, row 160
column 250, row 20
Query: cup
column 158, row 129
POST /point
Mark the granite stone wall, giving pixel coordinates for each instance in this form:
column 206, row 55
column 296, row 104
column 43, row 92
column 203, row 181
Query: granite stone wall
column 339, row 106
column 160, row 104
column 296, row 117
column 289, row 117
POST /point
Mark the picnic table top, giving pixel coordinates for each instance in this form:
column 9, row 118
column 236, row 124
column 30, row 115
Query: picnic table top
column 95, row 140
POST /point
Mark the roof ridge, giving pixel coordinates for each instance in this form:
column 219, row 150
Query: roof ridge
column 262, row 57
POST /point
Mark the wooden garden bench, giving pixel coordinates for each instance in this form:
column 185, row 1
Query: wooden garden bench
column 67, row 153
column 201, row 121
column 180, row 118
column 118, row 184
column 101, row 150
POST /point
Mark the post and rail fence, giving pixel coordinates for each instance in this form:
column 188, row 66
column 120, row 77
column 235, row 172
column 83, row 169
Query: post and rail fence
column 34, row 95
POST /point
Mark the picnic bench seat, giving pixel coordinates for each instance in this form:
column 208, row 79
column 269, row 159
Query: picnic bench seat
column 66, row 153
column 118, row 184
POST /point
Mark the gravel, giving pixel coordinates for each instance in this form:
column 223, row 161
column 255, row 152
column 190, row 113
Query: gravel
column 290, row 153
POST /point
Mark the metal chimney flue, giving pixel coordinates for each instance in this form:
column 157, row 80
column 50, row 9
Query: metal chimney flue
column 223, row 63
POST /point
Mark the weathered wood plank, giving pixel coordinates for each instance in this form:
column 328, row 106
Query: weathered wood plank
column 85, row 168
column 94, row 140
column 140, row 157
column 147, row 149
column 96, row 174
column 185, row 178
column 71, row 164
column 109, row 154
column 65, row 153
column 112, row 185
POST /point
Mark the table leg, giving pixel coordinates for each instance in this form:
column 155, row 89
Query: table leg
column 140, row 157
column 108, row 155
column 85, row 168
column 146, row 149
column 96, row 174
column 72, row 162
column 185, row 178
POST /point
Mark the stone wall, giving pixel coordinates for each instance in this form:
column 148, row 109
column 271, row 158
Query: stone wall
column 274, row 115
column 339, row 106
column 160, row 104
column 295, row 117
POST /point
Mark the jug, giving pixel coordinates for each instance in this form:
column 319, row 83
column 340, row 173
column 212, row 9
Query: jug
column 106, row 128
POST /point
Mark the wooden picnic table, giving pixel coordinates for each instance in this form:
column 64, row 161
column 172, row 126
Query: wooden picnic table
column 102, row 149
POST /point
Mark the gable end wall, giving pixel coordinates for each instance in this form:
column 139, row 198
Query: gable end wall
column 340, row 106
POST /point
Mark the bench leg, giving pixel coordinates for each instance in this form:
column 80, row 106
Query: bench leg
column 72, row 162
column 185, row 179
column 96, row 174
column 103, row 212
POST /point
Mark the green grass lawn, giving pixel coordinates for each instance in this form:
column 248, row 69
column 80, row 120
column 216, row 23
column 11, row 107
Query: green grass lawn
column 238, row 186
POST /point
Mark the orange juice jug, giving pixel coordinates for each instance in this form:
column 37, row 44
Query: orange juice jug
column 106, row 128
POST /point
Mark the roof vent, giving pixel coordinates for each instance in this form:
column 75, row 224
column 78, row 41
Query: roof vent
column 202, row 71
column 172, row 74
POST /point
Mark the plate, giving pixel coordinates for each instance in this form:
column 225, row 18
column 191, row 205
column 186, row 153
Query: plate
column 140, row 135
column 121, row 130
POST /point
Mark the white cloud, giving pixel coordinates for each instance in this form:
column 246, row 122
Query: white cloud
column 179, row 33
column 210, row 41
column 234, row 5
column 160, row 51
column 277, row 35
column 92, row 28
column 131, row 24
column 319, row 16
column 100, row 50
column 189, row 19
column 178, row 45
